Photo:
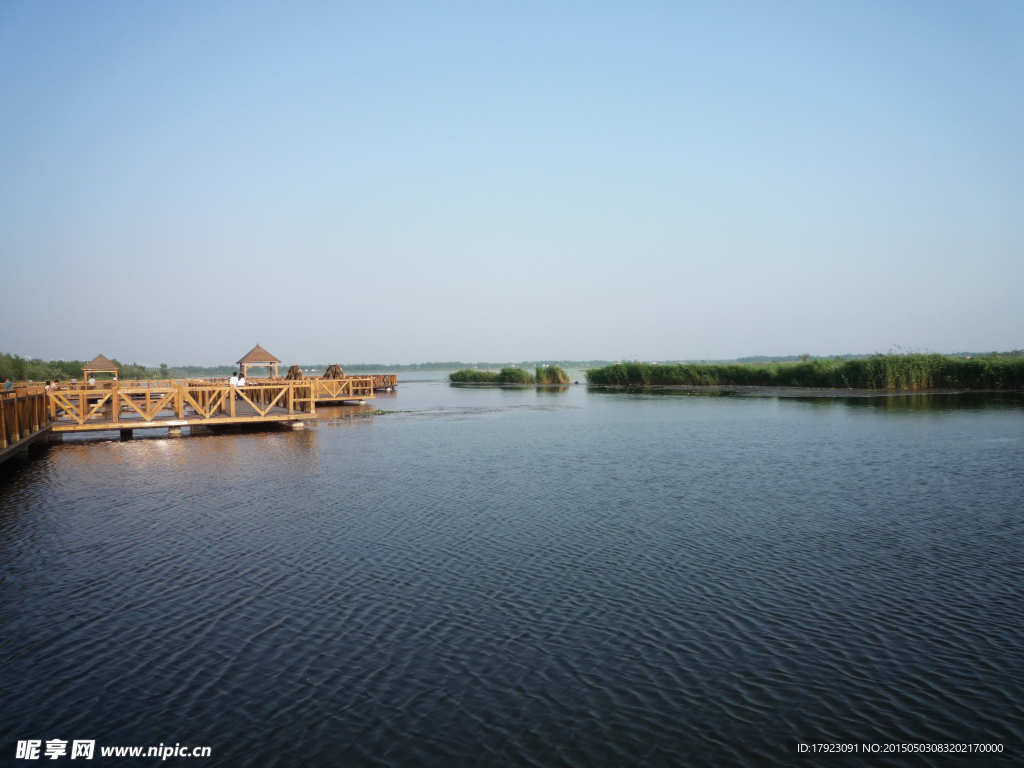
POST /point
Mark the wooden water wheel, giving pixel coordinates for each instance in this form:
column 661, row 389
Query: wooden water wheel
column 294, row 373
column 334, row 372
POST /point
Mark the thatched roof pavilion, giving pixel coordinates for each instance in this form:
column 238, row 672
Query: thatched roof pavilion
column 258, row 357
column 99, row 364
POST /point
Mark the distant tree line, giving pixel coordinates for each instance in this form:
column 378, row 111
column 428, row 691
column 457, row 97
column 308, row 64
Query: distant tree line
column 18, row 368
column 457, row 366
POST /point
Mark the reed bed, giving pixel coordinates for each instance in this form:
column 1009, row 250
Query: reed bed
column 471, row 376
column 504, row 376
column 552, row 374
column 913, row 371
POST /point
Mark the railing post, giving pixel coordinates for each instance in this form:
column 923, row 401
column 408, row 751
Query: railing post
column 115, row 405
column 231, row 394
column 3, row 422
column 17, row 425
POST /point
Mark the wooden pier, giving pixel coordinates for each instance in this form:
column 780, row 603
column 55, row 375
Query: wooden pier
column 28, row 414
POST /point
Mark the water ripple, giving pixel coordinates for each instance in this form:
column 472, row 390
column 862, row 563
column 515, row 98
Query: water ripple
column 626, row 580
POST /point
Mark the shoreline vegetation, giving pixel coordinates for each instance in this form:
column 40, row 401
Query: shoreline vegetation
column 548, row 374
column 911, row 371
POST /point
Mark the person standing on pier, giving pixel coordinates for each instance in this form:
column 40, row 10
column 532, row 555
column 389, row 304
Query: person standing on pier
column 8, row 384
column 233, row 381
column 241, row 380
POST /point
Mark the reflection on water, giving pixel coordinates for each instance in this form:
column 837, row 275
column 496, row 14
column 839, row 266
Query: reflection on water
column 337, row 415
column 553, row 389
column 964, row 401
column 890, row 401
column 525, row 576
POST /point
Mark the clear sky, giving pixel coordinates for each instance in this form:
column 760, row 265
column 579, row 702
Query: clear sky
column 381, row 182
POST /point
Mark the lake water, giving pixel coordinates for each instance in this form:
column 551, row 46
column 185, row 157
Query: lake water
column 525, row 577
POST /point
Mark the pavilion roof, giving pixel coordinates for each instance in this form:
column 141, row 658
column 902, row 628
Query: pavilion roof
column 258, row 355
column 100, row 363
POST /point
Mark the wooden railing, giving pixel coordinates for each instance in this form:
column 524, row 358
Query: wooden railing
column 384, row 380
column 105, row 385
column 204, row 399
column 347, row 388
column 23, row 412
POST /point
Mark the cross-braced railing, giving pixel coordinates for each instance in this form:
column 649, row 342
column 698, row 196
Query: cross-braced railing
column 130, row 403
column 349, row 388
column 345, row 388
column 181, row 400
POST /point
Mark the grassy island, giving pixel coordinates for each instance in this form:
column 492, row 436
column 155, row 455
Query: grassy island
column 913, row 371
column 550, row 374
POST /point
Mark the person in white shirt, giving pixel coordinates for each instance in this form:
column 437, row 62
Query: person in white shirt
column 233, row 381
column 241, row 380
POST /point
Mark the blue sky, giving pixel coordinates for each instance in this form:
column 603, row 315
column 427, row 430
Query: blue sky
column 404, row 183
